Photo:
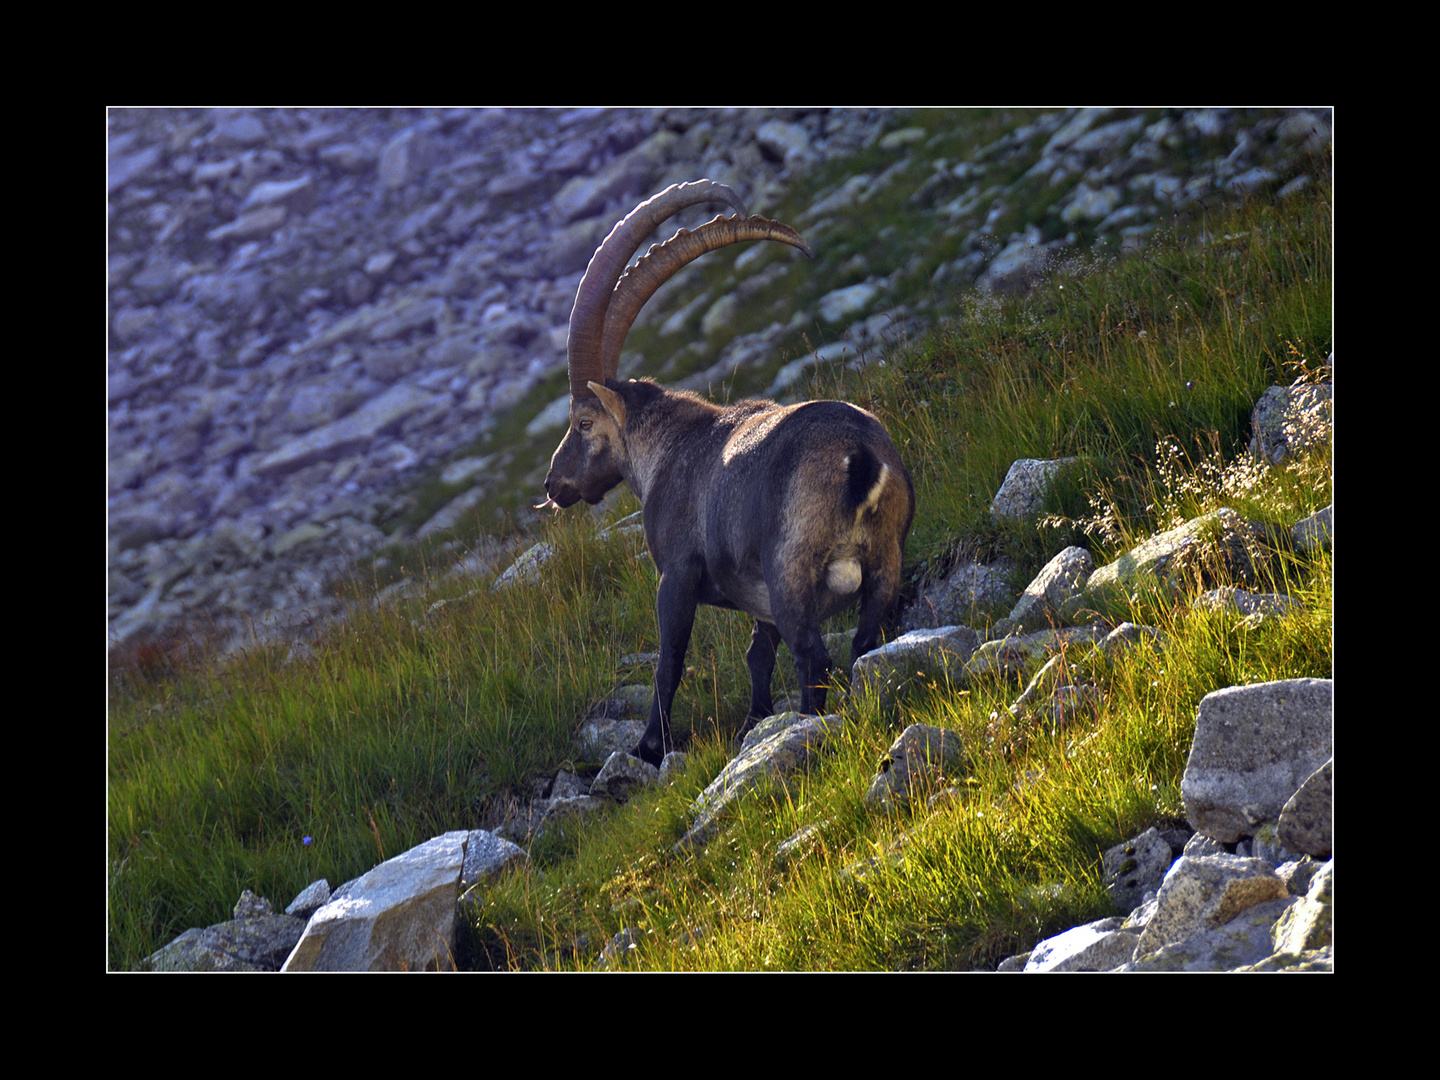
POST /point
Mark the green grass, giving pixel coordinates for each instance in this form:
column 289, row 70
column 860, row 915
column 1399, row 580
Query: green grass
column 403, row 722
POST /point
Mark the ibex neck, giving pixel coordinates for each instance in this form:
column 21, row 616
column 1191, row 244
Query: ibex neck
column 664, row 443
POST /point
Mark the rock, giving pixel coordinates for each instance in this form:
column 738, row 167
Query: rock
column 1315, row 533
column 1097, row 946
column 526, row 569
column 255, row 940
column 1136, row 867
column 920, row 655
column 1242, row 940
column 487, row 856
column 1307, row 818
column 311, row 899
column 398, row 917
column 1217, row 544
column 1010, row 655
column 970, row 591
column 782, row 748
column 917, row 763
column 1018, row 266
column 1025, row 487
column 789, row 142
column 297, row 195
column 355, row 432
column 1254, row 746
column 1290, row 420
column 621, row 775
column 848, row 302
column 1309, row 924
column 1245, row 602
column 1056, row 595
column 1203, row 893
column 254, row 225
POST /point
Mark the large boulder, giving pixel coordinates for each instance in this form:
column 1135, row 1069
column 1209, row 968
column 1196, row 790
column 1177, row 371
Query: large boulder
column 1254, row 747
column 398, row 917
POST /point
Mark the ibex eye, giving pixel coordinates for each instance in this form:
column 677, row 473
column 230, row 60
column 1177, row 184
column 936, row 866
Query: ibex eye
column 586, row 425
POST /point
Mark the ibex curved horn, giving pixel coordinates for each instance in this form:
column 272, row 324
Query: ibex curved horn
column 592, row 298
column 662, row 260
column 604, row 312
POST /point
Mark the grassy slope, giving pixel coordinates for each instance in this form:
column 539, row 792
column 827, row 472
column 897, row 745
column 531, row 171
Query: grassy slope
column 404, row 724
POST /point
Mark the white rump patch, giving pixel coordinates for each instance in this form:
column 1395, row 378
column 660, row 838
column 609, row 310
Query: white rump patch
column 843, row 576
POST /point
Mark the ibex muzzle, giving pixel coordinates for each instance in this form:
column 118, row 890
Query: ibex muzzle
column 788, row 513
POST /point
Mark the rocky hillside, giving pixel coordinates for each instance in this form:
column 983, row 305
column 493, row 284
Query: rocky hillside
column 313, row 310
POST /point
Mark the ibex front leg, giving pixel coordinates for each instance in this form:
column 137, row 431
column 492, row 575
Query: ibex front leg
column 676, row 610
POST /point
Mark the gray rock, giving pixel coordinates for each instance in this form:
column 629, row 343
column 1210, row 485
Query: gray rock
column 575, row 808
column 297, row 195
column 916, row 764
column 848, row 302
column 1201, row 846
column 1090, row 204
column 789, row 142
column 487, row 856
column 619, row 950
column 673, row 765
column 1128, row 634
column 1245, row 939
column 1291, row 420
column 1098, row 946
column 398, row 917
column 1253, row 748
column 251, row 226
column 243, row 130
column 758, row 765
column 621, row 775
column 354, row 432
column 1219, row 543
column 1056, row 595
column 128, row 168
column 258, row 942
column 1024, row 488
column 1136, row 867
column 799, row 844
column 1245, row 602
column 1316, row 532
column 1011, row 654
column 601, row 736
column 1309, row 924
column 1307, row 818
column 311, row 899
column 970, row 591
column 1019, row 266
column 251, row 906
column 567, row 786
column 526, row 569
column 919, row 655
column 1203, row 893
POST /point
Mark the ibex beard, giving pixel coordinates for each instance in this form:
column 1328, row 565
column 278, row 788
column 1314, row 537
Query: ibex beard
column 789, row 513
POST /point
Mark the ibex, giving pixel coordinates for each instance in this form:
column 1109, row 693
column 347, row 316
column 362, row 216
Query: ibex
column 786, row 512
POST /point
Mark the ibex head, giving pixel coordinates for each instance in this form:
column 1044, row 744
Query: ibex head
column 591, row 459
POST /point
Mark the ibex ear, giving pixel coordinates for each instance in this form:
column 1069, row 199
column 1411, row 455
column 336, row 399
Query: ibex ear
column 613, row 402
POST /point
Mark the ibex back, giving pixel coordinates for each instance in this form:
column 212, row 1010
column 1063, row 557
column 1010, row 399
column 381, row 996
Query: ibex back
column 786, row 512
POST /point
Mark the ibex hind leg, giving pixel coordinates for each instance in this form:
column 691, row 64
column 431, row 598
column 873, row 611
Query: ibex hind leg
column 877, row 596
column 760, row 659
column 812, row 662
